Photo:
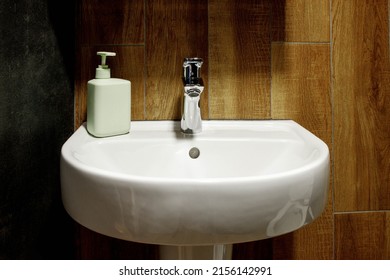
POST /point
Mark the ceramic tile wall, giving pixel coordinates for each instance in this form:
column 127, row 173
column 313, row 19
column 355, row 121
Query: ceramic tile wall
column 323, row 63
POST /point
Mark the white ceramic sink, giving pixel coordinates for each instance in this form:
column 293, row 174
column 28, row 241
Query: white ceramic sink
column 252, row 180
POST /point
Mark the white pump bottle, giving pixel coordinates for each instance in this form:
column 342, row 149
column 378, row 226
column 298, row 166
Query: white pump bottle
column 108, row 102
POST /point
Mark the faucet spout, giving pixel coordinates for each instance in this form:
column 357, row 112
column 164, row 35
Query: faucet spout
column 191, row 121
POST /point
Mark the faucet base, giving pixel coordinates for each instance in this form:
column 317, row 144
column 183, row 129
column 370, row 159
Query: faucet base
column 190, row 131
column 186, row 130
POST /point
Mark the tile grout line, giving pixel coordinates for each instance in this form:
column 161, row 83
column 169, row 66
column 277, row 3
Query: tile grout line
column 300, row 43
column 145, row 64
column 360, row 212
column 332, row 125
column 208, row 63
column 271, row 14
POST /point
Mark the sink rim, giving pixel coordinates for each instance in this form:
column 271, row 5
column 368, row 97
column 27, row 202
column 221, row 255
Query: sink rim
column 174, row 128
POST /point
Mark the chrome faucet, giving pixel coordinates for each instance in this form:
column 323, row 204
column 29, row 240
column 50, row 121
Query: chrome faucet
column 191, row 121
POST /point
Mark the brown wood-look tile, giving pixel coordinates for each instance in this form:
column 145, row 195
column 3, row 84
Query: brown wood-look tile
column 301, row 86
column 361, row 81
column 301, row 20
column 113, row 22
column 301, row 92
column 364, row 236
column 239, row 68
column 127, row 64
column 312, row 242
column 174, row 30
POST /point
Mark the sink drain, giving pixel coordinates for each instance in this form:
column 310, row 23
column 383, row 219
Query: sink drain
column 194, row 152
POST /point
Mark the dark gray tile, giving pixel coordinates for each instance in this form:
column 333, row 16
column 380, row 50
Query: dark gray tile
column 36, row 117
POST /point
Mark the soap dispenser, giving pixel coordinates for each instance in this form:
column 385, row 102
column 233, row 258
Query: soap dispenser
column 108, row 102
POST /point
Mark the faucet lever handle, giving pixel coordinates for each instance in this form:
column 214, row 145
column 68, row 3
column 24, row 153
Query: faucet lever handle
column 191, row 67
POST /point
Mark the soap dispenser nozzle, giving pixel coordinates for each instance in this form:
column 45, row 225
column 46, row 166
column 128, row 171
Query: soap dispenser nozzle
column 103, row 72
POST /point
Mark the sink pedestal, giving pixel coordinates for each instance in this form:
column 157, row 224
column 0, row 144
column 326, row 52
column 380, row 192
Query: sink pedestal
column 216, row 252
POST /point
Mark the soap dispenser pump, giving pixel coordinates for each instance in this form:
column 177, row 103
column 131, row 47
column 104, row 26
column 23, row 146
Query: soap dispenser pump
column 108, row 102
column 102, row 71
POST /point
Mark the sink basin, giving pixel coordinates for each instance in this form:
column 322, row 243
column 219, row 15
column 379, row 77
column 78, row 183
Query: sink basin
column 237, row 181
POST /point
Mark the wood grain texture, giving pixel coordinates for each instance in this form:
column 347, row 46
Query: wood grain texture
column 301, row 92
column 312, row 242
column 175, row 30
column 301, row 88
column 239, row 68
column 127, row 64
column 113, row 22
column 361, row 80
column 364, row 236
column 301, row 20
